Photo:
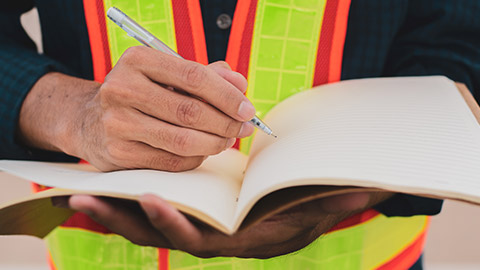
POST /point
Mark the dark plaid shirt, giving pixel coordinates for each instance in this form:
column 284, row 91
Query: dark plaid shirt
column 384, row 38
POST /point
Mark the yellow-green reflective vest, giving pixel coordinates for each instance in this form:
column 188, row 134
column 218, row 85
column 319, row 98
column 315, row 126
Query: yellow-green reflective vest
column 282, row 47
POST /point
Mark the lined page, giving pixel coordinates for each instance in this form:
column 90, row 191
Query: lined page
column 412, row 134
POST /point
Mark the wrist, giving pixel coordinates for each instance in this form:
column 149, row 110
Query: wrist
column 49, row 115
column 71, row 131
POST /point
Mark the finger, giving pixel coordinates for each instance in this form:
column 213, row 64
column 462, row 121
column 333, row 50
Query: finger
column 235, row 78
column 137, row 155
column 177, row 140
column 220, row 64
column 345, row 202
column 185, row 111
column 119, row 220
column 182, row 141
column 171, row 223
column 191, row 77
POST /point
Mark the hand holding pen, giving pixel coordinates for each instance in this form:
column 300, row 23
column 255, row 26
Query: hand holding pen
column 134, row 120
column 134, row 30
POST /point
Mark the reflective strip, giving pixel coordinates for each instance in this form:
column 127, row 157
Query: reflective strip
column 78, row 249
column 283, row 51
column 154, row 15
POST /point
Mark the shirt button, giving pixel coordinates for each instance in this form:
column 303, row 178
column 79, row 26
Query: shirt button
column 224, row 21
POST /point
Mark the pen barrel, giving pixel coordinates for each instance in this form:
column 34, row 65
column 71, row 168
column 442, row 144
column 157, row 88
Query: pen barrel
column 159, row 45
column 260, row 125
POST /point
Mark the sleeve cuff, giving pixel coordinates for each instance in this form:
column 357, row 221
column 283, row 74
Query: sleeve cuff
column 20, row 69
column 405, row 205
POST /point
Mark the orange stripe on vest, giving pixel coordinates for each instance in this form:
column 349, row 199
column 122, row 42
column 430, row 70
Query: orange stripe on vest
column 97, row 33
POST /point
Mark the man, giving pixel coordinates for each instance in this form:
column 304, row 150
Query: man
column 131, row 119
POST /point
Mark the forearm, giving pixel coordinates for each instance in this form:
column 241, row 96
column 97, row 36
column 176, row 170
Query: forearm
column 49, row 115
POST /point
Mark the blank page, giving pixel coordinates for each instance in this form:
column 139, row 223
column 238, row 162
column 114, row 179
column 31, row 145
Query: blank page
column 212, row 188
column 413, row 134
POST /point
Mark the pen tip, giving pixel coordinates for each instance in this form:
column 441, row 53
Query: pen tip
column 274, row 135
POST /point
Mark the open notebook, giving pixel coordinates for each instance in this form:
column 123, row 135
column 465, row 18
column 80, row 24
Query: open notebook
column 417, row 135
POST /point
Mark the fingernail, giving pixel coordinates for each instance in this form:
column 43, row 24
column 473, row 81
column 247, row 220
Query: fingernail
column 149, row 209
column 246, row 111
column 246, row 130
column 230, row 143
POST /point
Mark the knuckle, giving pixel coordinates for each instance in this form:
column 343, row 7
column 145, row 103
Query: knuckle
column 223, row 63
column 160, row 136
column 131, row 55
column 193, row 75
column 115, row 153
column 219, row 146
column 173, row 163
column 112, row 92
column 232, row 128
column 189, row 112
column 231, row 97
column 195, row 163
column 182, row 142
column 220, row 64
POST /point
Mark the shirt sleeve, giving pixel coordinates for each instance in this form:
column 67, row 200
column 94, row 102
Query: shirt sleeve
column 20, row 67
column 438, row 37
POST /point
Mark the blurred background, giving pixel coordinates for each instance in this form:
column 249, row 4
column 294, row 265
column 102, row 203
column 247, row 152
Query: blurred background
column 452, row 243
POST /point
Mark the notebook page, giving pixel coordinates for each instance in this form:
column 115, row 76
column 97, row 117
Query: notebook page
column 211, row 189
column 412, row 134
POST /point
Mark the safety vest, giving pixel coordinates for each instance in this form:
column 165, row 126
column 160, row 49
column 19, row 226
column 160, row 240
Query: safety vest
column 282, row 47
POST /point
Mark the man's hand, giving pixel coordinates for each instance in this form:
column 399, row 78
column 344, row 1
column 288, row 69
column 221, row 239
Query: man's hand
column 135, row 119
column 281, row 234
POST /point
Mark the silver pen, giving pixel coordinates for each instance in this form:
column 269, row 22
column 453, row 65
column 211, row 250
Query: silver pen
column 134, row 30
